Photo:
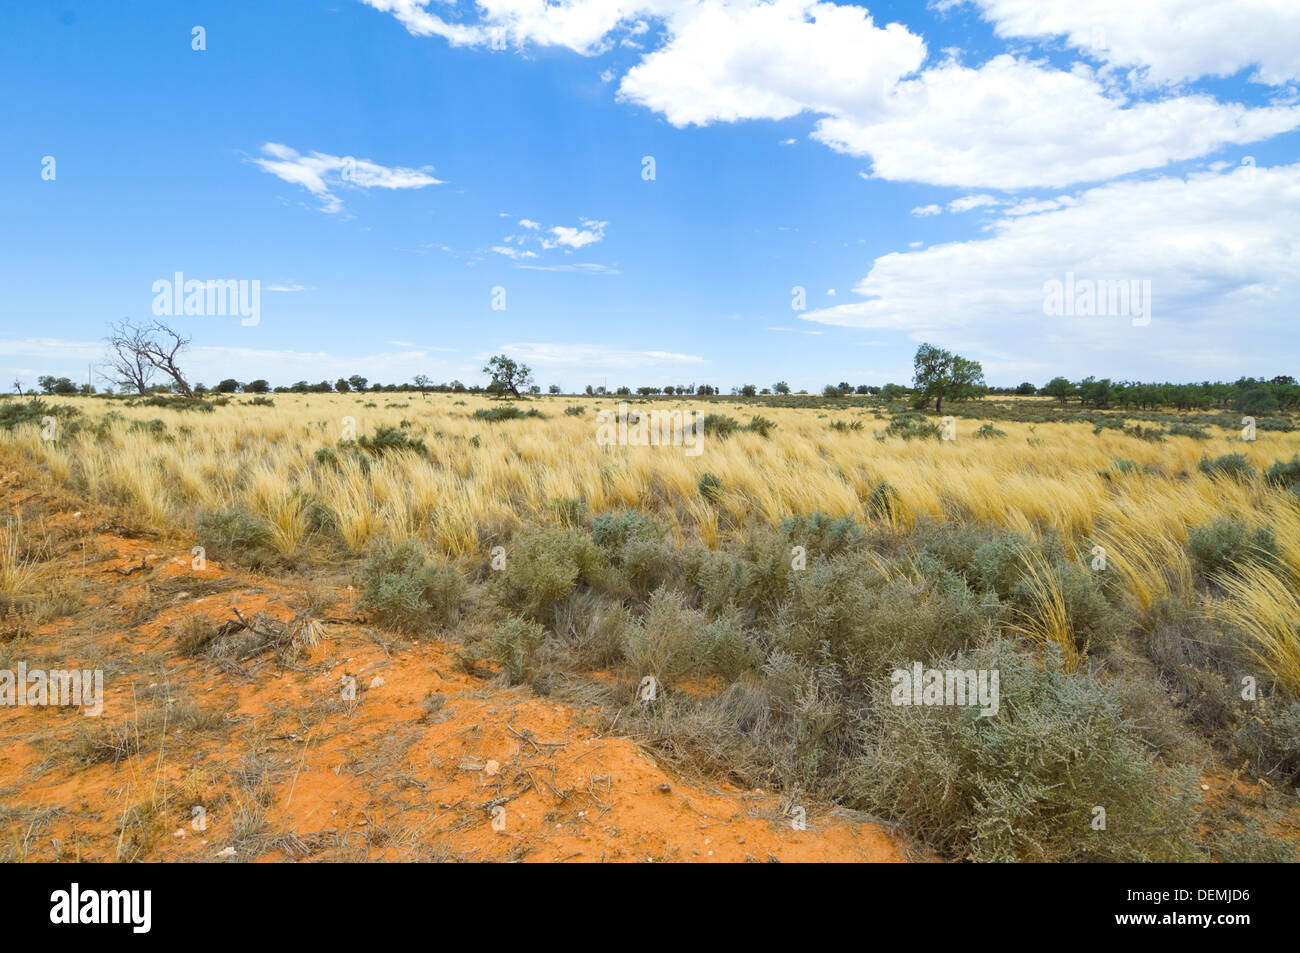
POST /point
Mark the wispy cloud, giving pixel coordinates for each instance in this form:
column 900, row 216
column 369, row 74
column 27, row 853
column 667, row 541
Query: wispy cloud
column 588, row 268
column 569, row 237
column 322, row 174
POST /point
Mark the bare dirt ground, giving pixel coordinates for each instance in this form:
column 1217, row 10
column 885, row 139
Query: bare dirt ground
column 263, row 758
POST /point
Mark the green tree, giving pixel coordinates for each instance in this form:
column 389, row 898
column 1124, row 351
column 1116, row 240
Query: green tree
column 941, row 375
column 258, row 386
column 1060, row 388
column 342, row 386
column 228, row 386
column 357, row 382
column 781, row 387
column 507, row 375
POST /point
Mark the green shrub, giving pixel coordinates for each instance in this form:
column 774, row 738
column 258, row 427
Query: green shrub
column 513, row 645
column 155, row 428
column 761, row 426
column 846, row 611
column 1226, row 543
column 846, row 426
column 1023, row 785
column 546, row 567
column 1251, row 845
column 15, row 413
column 1107, row 423
column 177, row 402
column 1149, row 434
column 912, row 426
column 883, row 500
column 1284, row 473
column 827, row 535
column 1233, row 465
column 1096, row 623
column 238, row 537
column 989, row 431
column 507, row 412
column 667, row 643
column 401, row 589
column 719, row 425
column 570, row 510
column 1270, row 738
column 574, row 411
column 1189, row 430
column 710, row 487
column 726, row 650
column 998, row 565
column 389, row 440
column 612, row 531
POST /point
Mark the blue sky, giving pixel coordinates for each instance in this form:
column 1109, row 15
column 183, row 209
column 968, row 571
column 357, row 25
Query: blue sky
column 920, row 170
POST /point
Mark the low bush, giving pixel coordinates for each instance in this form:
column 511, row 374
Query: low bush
column 1231, row 465
column 1024, row 785
column 403, row 590
column 544, row 568
column 238, row 537
column 391, row 440
column 513, row 645
column 508, row 412
column 1225, row 544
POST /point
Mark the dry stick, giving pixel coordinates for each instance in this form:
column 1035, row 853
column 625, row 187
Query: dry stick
column 294, row 783
column 127, row 572
column 505, row 799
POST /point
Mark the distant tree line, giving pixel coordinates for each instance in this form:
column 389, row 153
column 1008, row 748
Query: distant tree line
column 139, row 353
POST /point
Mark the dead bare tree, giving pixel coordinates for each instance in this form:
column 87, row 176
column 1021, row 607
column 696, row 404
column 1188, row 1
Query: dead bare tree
column 130, row 367
column 140, row 350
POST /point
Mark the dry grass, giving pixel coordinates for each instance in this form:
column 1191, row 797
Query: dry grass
column 1267, row 610
column 18, row 570
column 1046, row 621
column 480, row 481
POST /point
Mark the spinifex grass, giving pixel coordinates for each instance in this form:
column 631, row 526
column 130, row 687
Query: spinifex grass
column 479, row 481
column 1267, row 611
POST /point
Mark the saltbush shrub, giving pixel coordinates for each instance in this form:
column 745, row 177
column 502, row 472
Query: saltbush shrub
column 403, row 590
column 1225, row 543
column 1023, row 785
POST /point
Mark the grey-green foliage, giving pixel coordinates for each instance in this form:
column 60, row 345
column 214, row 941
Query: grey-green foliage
column 1225, row 544
column 403, row 590
column 1024, row 784
column 513, row 645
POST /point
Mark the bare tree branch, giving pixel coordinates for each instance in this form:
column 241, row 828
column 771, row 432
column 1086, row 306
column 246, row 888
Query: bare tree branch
column 130, row 368
column 139, row 351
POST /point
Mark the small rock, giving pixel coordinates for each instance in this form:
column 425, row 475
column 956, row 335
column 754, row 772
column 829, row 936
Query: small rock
column 180, row 834
column 377, row 682
column 228, row 852
column 491, row 768
column 664, row 787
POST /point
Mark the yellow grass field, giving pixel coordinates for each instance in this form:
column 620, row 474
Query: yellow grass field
column 481, row 481
column 1174, row 635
